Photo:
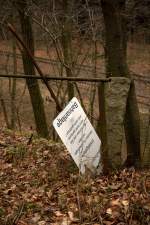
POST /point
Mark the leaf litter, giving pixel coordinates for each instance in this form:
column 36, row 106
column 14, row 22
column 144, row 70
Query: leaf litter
column 41, row 185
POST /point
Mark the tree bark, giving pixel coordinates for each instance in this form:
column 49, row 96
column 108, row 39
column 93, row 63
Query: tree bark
column 13, row 88
column 116, row 65
column 67, row 45
column 33, row 86
column 5, row 112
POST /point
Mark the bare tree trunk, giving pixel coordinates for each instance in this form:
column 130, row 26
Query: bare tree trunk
column 33, row 86
column 5, row 112
column 67, row 45
column 116, row 65
column 13, row 88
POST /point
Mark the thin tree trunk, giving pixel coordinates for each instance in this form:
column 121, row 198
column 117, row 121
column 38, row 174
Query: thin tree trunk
column 67, row 46
column 5, row 113
column 116, row 65
column 33, row 86
column 13, row 88
column 93, row 94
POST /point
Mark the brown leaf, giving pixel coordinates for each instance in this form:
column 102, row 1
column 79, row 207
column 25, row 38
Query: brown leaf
column 58, row 213
column 71, row 217
column 42, row 222
column 109, row 211
column 36, row 218
column 49, row 194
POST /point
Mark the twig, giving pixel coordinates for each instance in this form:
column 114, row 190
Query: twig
column 19, row 214
column 30, row 139
column 16, row 218
column 144, row 184
column 78, row 199
column 147, row 136
column 11, row 28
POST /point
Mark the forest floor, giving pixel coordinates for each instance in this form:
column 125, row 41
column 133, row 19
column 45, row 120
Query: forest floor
column 41, row 185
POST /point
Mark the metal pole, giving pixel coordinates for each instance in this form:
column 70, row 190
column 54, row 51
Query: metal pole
column 79, row 79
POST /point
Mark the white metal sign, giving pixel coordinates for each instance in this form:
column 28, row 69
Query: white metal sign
column 78, row 135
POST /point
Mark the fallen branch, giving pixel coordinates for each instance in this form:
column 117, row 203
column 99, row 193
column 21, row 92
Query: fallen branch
column 12, row 30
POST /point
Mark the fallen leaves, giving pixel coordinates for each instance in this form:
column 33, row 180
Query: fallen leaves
column 47, row 181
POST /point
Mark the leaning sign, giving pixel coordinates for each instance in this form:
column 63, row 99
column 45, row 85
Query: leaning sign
column 78, row 135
